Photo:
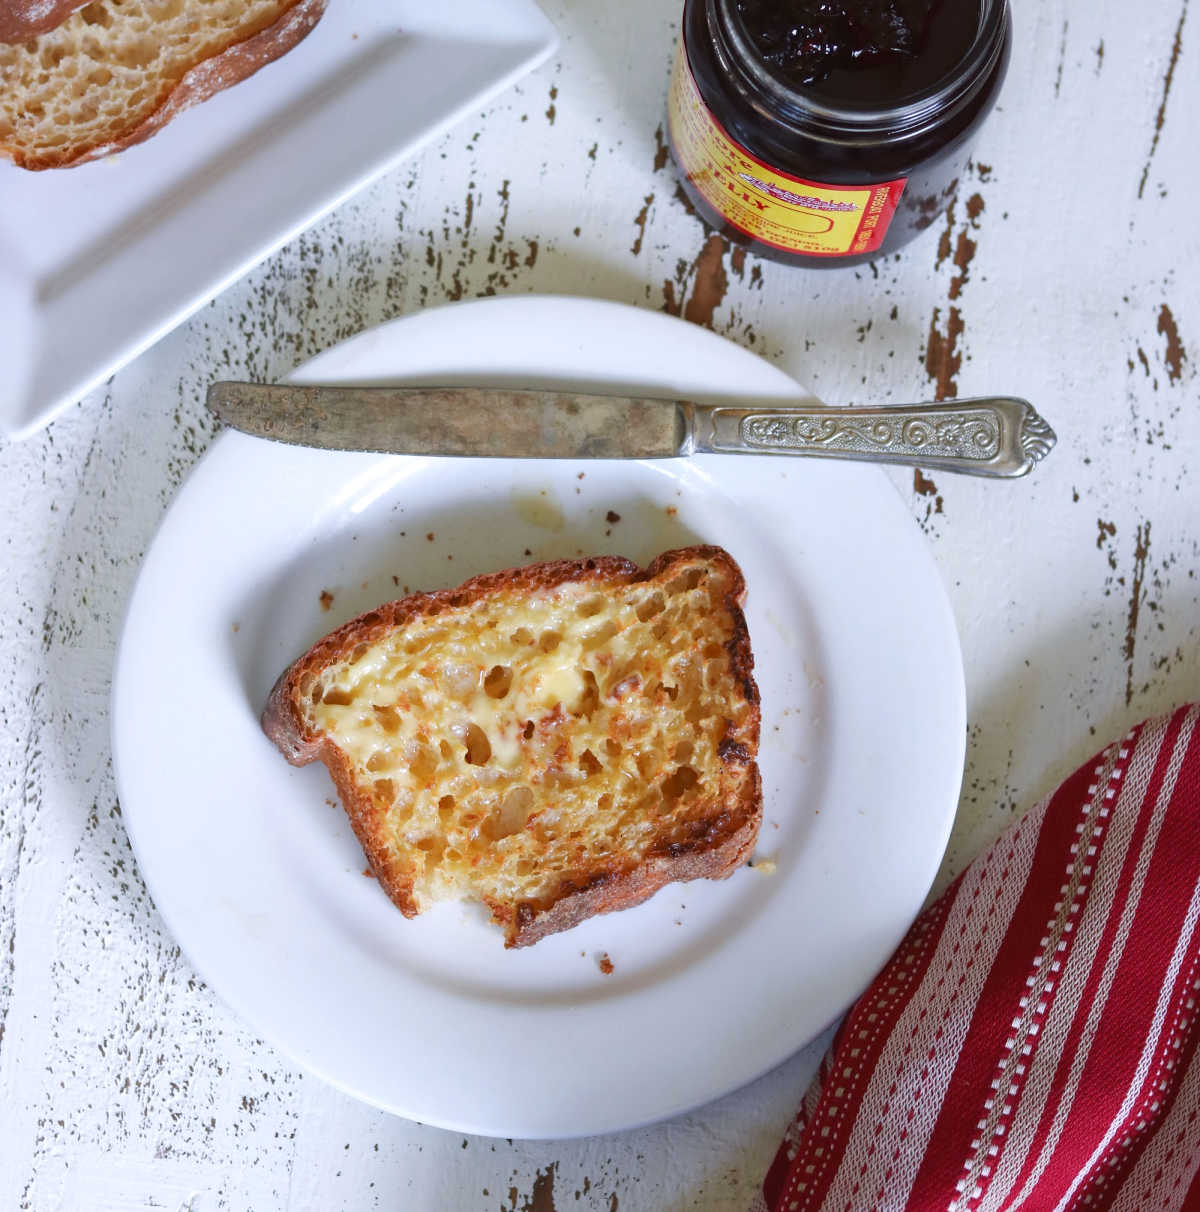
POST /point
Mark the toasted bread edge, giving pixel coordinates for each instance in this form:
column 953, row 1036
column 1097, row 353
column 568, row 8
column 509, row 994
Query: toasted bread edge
column 607, row 893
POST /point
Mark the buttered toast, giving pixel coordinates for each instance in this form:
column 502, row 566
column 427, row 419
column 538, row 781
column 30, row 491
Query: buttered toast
column 556, row 741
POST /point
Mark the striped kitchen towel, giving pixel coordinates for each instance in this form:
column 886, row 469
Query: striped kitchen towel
column 1032, row 1045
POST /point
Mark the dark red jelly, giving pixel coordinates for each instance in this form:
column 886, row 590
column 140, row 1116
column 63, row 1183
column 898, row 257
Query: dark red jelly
column 831, row 131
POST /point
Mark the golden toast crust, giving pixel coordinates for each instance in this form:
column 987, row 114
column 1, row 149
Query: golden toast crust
column 710, row 845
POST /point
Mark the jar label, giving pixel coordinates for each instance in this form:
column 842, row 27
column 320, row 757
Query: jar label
column 787, row 212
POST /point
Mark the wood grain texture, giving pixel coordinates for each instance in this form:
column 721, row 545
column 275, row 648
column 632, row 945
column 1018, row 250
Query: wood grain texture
column 1064, row 271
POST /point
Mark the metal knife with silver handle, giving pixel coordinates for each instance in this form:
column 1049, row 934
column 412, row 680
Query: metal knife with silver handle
column 992, row 436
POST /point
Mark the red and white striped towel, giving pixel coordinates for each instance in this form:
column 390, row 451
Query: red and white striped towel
column 1032, row 1045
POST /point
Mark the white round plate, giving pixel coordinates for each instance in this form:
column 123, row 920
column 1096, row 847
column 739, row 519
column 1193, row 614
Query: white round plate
column 254, row 867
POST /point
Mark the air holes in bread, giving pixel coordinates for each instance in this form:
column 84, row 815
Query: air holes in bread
column 498, row 681
column 589, row 700
column 649, row 607
column 589, row 763
column 479, row 748
column 683, row 779
column 601, row 635
column 512, row 815
column 432, row 848
column 423, row 764
column 685, row 581
column 96, row 14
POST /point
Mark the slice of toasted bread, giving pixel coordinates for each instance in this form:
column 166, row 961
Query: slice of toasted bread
column 556, row 741
column 112, row 73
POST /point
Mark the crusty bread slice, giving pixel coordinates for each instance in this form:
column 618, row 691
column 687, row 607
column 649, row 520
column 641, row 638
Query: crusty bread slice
column 556, row 741
column 112, row 73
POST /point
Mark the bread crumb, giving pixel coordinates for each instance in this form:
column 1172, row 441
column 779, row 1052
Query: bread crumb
column 395, row 580
column 612, row 517
column 430, row 536
column 671, row 511
column 606, row 965
column 236, row 626
column 764, row 866
column 326, row 599
column 528, row 552
column 581, row 475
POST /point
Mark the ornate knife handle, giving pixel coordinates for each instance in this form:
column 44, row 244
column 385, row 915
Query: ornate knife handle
column 989, row 436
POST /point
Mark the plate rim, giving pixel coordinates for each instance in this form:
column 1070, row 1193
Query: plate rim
column 310, row 1063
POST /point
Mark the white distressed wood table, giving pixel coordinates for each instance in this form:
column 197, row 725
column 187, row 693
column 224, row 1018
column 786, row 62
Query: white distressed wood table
column 1067, row 270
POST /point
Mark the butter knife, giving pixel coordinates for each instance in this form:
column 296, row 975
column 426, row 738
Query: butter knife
column 992, row 436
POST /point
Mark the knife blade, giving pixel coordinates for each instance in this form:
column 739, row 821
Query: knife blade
column 461, row 421
column 992, row 436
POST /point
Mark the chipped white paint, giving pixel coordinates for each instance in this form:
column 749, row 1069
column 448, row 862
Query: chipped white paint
column 123, row 1083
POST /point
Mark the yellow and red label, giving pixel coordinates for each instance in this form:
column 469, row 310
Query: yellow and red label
column 787, row 212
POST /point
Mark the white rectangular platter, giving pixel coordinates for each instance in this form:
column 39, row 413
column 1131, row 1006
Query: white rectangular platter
column 98, row 262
